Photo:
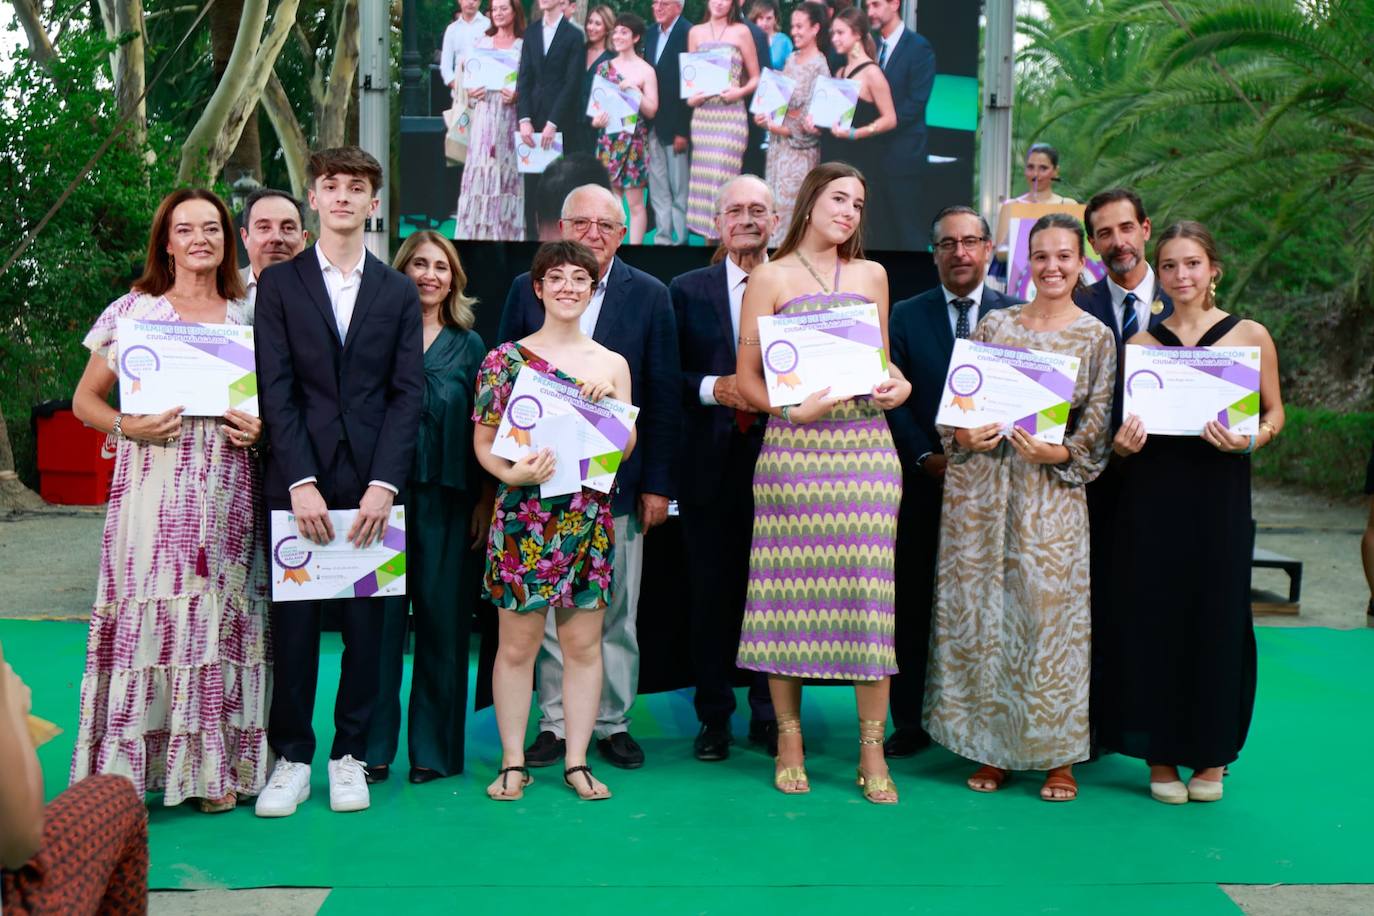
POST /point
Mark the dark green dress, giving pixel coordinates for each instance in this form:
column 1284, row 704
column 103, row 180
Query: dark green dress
column 443, row 573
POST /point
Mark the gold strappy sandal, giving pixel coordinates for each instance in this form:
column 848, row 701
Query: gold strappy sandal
column 790, row 724
column 871, row 732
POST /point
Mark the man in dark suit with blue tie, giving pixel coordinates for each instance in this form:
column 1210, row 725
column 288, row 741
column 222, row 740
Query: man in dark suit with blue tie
column 1127, row 300
column 723, row 434
column 908, row 62
column 548, row 84
column 630, row 314
column 340, row 383
column 921, row 332
column 670, row 127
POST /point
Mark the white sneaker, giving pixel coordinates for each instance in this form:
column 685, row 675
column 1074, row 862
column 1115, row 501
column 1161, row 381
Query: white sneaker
column 348, row 785
column 288, row 786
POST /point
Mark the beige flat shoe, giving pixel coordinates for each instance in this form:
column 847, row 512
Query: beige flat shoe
column 1170, row 793
column 1204, row 790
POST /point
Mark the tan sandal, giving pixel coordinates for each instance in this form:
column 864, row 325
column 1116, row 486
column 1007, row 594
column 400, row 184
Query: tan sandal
column 790, row 724
column 992, row 774
column 871, row 732
column 1059, row 780
column 219, row 805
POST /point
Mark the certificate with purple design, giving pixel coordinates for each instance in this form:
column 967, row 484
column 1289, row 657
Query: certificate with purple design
column 840, row 348
column 1010, row 386
column 547, row 412
column 833, row 102
column 1176, row 390
column 492, row 69
column 305, row 571
column 705, row 71
column 205, row 368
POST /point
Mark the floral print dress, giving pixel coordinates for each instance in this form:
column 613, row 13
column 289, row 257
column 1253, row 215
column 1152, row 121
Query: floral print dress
column 541, row 553
column 625, row 154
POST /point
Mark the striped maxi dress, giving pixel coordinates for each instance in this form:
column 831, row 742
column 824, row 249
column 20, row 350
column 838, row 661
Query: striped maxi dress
column 820, row 600
column 720, row 133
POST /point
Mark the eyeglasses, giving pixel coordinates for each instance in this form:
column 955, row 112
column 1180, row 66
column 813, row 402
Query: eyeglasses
column 582, row 225
column 735, row 214
column 578, row 283
column 968, row 243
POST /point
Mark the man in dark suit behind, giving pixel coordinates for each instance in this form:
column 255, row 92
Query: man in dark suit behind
column 630, row 314
column 548, row 84
column 340, row 379
column 671, row 125
column 922, row 331
column 1127, row 300
column 908, row 62
column 723, row 435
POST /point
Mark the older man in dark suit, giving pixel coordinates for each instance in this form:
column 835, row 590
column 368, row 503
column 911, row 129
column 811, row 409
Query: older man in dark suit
column 341, row 383
column 908, row 62
column 630, row 314
column 548, row 84
column 723, row 434
column 671, row 125
column 922, row 331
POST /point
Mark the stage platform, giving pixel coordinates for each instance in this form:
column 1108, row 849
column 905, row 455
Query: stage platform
column 687, row 837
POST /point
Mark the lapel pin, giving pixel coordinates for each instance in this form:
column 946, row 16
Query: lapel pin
column 1157, row 307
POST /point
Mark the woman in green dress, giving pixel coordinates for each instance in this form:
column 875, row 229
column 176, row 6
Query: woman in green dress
column 446, row 516
column 548, row 553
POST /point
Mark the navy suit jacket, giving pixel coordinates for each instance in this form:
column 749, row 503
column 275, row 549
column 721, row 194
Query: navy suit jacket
column 1096, row 300
column 636, row 321
column 701, row 304
column 549, row 85
column 910, row 73
column 319, row 394
column 922, row 341
column 674, row 115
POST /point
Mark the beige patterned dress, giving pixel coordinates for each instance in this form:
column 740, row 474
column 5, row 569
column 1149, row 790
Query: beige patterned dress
column 1011, row 635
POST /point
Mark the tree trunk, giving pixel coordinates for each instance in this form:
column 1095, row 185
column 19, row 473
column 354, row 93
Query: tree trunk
column 126, row 63
column 294, row 145
column 331, row 113
column 13, row 494
column 246, row 157
column 40, row 47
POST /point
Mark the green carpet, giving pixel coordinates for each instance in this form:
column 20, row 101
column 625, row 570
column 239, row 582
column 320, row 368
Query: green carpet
column 685, row 836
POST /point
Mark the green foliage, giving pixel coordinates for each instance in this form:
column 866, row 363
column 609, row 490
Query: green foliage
column 1322, row 450
column 93, row 247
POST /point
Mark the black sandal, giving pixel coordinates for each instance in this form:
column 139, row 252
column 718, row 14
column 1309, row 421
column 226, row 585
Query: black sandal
column 520, row 790
column 586, row 772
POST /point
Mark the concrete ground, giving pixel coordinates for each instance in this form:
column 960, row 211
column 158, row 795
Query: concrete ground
column 64, row 543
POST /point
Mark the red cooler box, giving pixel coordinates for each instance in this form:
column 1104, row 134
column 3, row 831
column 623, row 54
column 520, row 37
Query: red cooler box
column 72, row 467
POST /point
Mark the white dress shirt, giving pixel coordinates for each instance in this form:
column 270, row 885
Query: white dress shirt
column 588, row 320
column 459, row 39
column 1144, row 298
column 550, row 31
column 890, row 43
column 663, row 34
column 250, row 283
column 976, row 296
column 735, row 278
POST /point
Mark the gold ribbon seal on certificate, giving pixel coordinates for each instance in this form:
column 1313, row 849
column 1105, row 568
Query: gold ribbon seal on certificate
column 521, row 436
column 41, row 731
column 138, row 386
column 789, row 379
column 962, row 402
column 298, row 576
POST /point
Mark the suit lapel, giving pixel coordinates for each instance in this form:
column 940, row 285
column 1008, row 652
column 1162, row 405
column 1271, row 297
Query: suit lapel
column 942, row 333
column 1168, row 310
column 367, row 292
column 611, row 303
column 536, row 34
column 312, row 278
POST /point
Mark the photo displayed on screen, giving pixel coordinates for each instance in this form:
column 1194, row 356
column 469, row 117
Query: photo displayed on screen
column 663, row 102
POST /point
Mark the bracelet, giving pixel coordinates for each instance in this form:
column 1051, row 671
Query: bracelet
column 1273, row 430
column 785, row 416
column 118, row 429
column 851, row 133
column 1249, row 449
column 749, row 341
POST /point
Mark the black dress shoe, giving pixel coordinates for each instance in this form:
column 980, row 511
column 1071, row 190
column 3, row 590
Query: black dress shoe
column 380, row 773
column 713, row 743
column 421, row 775
column 906, row 742
column 546, row 750
column 620, row 750
column 765, row 732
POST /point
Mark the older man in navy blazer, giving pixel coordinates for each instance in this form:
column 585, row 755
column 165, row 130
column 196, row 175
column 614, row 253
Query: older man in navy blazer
column 630, row 314
column 908, row 62
column 671, row 125
column 548, row 85
column 1127, row 300
column 922, row 331
column 341, row 383
column 723, row 435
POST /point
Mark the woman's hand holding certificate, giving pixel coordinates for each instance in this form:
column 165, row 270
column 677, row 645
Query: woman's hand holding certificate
column 1177, row 391
column 205, row 369
column 839, row 350
column 1011, row 387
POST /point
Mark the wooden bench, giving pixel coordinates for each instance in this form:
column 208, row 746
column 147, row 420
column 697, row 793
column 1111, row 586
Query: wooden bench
column 1267, row 559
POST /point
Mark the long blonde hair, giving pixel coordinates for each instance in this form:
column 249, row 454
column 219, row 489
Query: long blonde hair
column 456, row 312
column 811, row 187
column 607, row 17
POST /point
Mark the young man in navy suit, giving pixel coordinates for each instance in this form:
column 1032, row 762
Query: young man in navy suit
column 629, row 313
column 340, row 383
column 922, row 331
column 723, row 435
column 1127, row 300
column 670, row 126
column 548, row 84
column 908, row 62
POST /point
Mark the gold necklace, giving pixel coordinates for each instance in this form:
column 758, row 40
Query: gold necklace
column 825, row 287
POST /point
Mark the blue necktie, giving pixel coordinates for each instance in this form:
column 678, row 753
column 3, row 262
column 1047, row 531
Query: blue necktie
column 882, row 56
column 1129, row 322
column 961, row 328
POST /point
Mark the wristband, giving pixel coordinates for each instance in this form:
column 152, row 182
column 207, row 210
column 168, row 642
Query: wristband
column 785, row 416
column 1249, row 449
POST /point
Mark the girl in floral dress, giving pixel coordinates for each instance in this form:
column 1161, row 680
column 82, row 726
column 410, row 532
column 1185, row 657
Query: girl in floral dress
column 548, row 553
column 625, row 154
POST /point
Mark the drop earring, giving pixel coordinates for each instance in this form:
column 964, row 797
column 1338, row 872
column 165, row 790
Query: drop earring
column 1212, row 292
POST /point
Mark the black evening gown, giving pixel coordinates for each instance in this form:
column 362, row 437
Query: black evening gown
column 864, row 154
column 1179, row 648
